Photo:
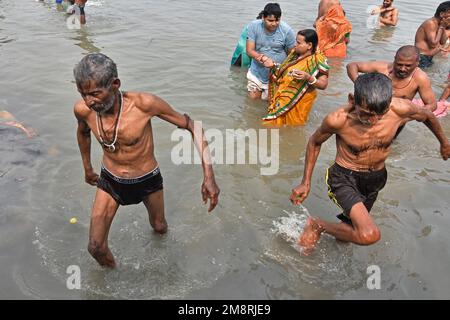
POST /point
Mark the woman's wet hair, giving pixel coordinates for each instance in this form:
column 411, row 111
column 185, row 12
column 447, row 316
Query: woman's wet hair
column 444, row 6
column 373, row 91
column 96, row 67
column 310, row 36
column 272, row 9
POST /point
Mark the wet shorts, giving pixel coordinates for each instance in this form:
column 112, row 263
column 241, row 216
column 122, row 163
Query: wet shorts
column 347, row 187
column 130, row 191
column 254, row 84
column 425, row 61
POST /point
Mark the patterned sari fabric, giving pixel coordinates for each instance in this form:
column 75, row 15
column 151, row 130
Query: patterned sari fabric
column 291, row 100
column 332, row 30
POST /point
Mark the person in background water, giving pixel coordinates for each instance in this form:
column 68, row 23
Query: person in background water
column 388, row 13
column 407, row 78
column 121, row 122
column 268, row 42
column 77, row 9
column 292, row 87
column 333, row 29
column 240, row 57
column 364, row 130
column 431, row 36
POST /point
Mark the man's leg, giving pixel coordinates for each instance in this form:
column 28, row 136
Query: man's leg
column 154, row 203
column 103, row 212
column 254, row 94
column 363, row 232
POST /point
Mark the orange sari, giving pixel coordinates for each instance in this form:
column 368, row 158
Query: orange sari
column 333, row 29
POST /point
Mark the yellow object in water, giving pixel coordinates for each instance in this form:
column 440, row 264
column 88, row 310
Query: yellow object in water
column 73, row 220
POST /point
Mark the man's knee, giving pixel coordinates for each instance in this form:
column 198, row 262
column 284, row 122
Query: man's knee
column 369, row 236
column 254, row 94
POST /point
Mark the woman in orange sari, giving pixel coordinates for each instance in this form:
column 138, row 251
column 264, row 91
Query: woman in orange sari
column 292, row 86
column 334, row 32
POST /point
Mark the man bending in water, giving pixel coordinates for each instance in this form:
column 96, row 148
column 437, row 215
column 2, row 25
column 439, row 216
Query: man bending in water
column 364, row 132
column 407, row 78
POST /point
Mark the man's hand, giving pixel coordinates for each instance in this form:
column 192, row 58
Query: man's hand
column 299, row 194
column 90, row 177
column 445, row 151
column 268, row 63
column 376, row 11
column 211, row 191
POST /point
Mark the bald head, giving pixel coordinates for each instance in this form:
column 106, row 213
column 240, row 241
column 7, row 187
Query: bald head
column 408, row 52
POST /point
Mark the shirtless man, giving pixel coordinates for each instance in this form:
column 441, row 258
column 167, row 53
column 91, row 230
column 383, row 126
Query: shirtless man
column 121, row 122
column 388, row 14
column 431, row 35
column 364, row 132
column 407, row 78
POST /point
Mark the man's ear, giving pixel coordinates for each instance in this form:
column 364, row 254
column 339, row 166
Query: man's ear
column 351, row 99
column 116, row 83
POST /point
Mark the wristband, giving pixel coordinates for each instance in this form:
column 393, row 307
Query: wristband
column 312, row 82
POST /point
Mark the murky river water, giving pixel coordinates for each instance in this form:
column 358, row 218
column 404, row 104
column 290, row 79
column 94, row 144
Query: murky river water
column 180, row 50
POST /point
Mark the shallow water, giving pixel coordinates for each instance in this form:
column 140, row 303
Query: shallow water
column 245, row 249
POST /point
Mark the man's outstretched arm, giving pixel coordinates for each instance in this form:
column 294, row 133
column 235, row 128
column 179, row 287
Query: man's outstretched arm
column 209, row 188
column 357, row 67
column 413, row 112
column 426, row 94
column 325, row 131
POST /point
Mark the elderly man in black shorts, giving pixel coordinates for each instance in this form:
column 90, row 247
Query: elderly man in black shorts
column 121, row 122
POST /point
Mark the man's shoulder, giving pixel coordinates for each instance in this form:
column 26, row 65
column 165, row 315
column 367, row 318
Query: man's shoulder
column 429, row 23
column 401, row 107
column 81, row 110
column 337, row 119
column 142, row 100
column 421, row 77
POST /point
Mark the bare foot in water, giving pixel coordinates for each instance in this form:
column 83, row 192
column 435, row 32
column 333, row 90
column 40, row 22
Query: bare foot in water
column 310, row 236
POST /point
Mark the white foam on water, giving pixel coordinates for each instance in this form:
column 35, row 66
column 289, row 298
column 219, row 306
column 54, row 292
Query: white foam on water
column 93, row 3
column 290, row 227
column 373, row 19
column 73, row 22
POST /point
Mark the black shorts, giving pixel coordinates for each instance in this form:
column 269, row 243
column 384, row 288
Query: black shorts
column 347, row 187
column 130, row 191
column 425, row 61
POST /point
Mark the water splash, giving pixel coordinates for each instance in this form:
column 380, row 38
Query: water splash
column 289, row 228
